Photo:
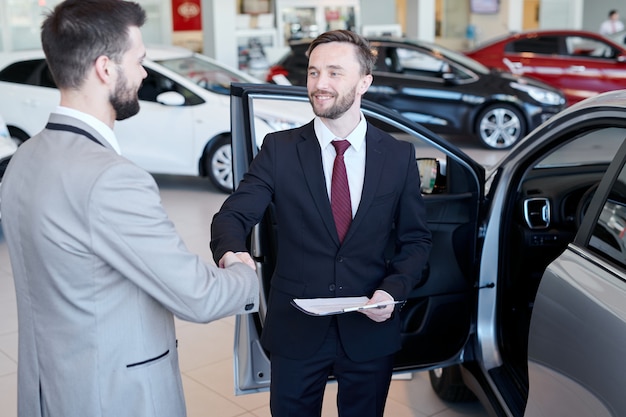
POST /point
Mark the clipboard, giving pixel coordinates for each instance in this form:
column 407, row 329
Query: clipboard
column 338, row 305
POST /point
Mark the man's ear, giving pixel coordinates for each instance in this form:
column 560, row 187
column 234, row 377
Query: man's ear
column 103, row 67
column 366, row 81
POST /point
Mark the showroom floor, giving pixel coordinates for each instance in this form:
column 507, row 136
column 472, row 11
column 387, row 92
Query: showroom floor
column 206, row 350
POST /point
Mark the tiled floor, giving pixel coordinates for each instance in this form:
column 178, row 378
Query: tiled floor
column 206, row 350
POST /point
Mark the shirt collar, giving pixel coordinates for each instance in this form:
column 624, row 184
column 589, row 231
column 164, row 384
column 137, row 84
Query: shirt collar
column 325, row 136
column 105, row 131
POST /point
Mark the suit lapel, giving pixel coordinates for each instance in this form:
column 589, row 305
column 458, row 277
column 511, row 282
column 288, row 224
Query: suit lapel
column 374, row 162
column 310, row 156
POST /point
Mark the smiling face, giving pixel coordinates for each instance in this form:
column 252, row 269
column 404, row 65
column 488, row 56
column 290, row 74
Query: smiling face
column 335, row 80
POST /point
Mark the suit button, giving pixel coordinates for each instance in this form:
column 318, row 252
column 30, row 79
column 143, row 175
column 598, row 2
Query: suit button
column 339, row 259
column 331, row 287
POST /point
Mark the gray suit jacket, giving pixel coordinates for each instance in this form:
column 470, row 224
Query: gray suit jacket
column 99, row 274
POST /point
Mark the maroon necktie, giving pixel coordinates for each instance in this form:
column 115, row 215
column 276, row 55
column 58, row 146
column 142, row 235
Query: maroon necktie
column 340, row 191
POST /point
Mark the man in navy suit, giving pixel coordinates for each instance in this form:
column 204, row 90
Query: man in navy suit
column 293, row 171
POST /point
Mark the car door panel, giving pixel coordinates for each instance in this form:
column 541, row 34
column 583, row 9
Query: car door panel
column 572, row 295
column 580, row 298
column 436, row 319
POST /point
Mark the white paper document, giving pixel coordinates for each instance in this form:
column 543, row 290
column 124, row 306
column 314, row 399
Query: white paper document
column 328, row 306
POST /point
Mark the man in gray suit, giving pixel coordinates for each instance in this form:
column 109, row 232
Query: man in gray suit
column 99, row 269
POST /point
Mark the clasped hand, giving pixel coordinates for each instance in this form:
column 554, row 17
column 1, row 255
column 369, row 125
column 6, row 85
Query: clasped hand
column 230, row 258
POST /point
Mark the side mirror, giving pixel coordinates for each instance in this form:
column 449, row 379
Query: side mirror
column 171, row 98
column 449, row 78
column 432, row 175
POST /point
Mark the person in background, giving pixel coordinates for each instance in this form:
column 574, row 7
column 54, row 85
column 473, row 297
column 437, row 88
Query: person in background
column 341, row 189
column 612, row 24
column 99, row 269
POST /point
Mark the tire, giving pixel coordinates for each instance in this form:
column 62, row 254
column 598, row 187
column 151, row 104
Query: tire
column 18, row 135
column 500, row 126
column 218, row 163
column 448, row 385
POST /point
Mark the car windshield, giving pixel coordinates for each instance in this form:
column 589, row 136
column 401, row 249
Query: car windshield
column 206, row 74
column 461, row 59
column 593, row 147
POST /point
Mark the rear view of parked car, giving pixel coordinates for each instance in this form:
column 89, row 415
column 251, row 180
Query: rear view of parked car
column 445, row 91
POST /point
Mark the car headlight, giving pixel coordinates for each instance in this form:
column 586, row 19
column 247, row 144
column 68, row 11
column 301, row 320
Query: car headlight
column 539, row 94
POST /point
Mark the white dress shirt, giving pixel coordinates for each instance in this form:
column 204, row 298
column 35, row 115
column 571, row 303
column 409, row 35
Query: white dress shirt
column 97, row 124
column 354, row 158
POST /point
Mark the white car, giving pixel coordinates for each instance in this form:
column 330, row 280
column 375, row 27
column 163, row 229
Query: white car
column 183, row 126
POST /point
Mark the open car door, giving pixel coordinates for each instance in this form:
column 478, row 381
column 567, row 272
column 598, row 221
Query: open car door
column 578, row 330
column 439, row 316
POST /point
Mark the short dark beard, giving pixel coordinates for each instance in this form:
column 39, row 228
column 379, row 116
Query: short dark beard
column 338, row 109
column 125, row 102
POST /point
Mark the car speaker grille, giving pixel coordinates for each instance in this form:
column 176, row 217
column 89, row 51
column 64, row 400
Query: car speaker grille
column 537, row 213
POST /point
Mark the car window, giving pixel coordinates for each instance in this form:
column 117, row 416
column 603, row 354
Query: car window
column 597, row 146
column 413, row 62
column 204, row 73
column 32, row 72
column 609, row 234
column 155, row 84
column 588, row 47
column 547, row 45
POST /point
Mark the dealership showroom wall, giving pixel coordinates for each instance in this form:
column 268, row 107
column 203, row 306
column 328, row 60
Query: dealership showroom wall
column 222, row 26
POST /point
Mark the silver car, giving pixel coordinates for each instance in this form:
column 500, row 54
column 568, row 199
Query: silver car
column 523, row 302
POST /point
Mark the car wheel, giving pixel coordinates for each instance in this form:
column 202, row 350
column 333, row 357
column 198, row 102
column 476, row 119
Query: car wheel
column 18, row 135
column 500, row 126
column 448, row 384
column 218, row 163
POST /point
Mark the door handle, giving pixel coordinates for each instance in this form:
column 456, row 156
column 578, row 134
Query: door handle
column 514, row 67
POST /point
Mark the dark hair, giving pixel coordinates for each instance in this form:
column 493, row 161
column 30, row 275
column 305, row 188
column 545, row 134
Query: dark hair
column 365, row 54
column 612, row 12
column 77, row 32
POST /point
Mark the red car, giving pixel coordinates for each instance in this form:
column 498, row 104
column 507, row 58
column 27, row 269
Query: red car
column 580, row 63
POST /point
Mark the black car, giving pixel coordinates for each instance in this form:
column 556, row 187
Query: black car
column 445, row 91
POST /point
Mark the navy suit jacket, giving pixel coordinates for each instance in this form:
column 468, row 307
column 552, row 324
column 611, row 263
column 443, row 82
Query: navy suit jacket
column 311, row 262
